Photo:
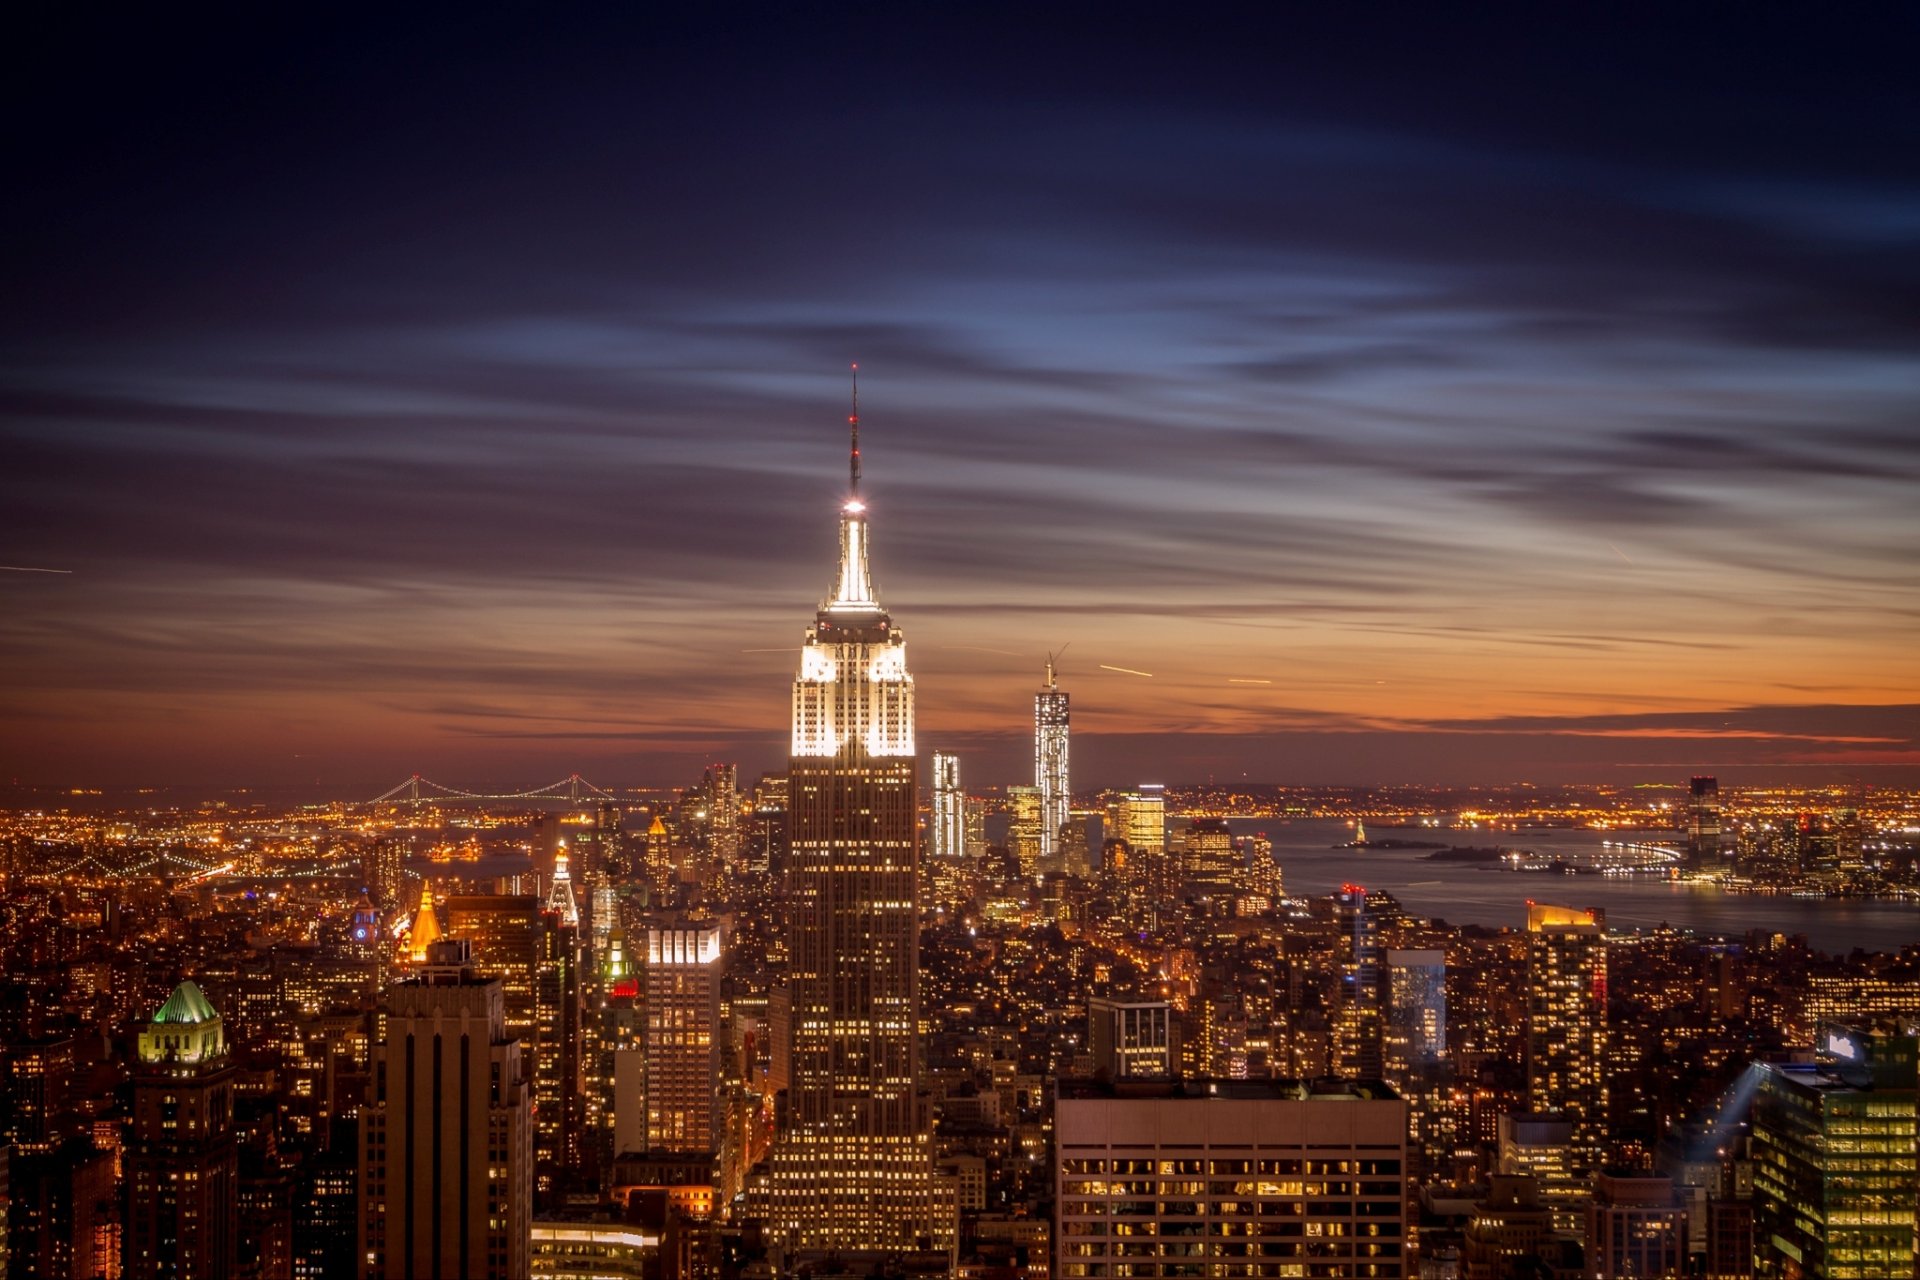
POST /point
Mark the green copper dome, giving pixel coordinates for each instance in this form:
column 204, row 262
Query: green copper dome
column 187, row 1004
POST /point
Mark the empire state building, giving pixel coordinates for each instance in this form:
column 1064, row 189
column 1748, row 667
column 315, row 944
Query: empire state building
column 852, row 1168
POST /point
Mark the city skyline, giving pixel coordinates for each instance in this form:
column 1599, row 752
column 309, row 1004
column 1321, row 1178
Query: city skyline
column 1400, row 433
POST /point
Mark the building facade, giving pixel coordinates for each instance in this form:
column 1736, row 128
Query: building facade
column 446, row 1137
column 1242, row 1177
column 1050, row 766
column 853, row 1167
column 682, row 1042
column 1836, row 1177
column 1131, row 1039
column 1567, row 1025
column 183, row 1163
column 949, row 809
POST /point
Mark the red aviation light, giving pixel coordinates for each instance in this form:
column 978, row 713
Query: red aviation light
column 1353, row 888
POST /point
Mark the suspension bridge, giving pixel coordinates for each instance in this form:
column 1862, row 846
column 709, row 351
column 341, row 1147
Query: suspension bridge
column 573, row 788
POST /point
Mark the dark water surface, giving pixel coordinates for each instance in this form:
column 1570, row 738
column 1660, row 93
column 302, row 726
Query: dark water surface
column 1463, row 893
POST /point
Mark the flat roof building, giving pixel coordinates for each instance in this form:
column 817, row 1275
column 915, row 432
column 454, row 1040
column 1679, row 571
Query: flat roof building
column 1268, row 1177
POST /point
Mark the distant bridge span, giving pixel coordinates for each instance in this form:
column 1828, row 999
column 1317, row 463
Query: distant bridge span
column 415, row 789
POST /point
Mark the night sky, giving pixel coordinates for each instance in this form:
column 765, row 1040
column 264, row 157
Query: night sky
column 1529, row 398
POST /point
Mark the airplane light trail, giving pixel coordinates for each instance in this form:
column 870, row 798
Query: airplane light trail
column 22, row 568
column 1126, row 670
column 1246, row 680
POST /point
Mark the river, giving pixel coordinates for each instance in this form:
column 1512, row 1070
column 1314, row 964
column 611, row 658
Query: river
column 1464, row 893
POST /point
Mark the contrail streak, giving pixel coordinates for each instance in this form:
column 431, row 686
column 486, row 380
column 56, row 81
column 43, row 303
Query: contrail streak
column 1126, row 671
column 21, row 568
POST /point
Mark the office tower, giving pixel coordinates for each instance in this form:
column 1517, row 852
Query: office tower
column 380, row 873
column 183, row 1163
column 1050, row 774
column 683, row 972
column 1362, row 1008
column 536, row 956
column 1139, row 818
column 975, row 817
column 1414, row 1052
column 39, row 1088
column 1703, row 821
column 1636, row 1226
column 1024, row 831
column 1199, row 1177
column 1567, row 1024
column 1076, row 843
column 949, row 808
column 325, row 1215
column 1267, row 879
column 658, row 862
column 722, row 786
column 1213, row 863
column 1416, row 1030
column 853, row 1167
column 62, row 1213
column 446, row 1154
column 1835, row 1175
column 597, row 860
column 1541, row 1147
column 1130, row 1039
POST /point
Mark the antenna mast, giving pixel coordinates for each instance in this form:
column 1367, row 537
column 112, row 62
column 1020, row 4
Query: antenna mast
column 853, row 424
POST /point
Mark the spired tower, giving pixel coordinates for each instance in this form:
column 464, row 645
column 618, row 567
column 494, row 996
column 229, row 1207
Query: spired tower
column 1050, row 766
column 853, row 1167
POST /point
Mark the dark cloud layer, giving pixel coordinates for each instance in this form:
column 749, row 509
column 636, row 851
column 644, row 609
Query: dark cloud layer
column 1495, row 385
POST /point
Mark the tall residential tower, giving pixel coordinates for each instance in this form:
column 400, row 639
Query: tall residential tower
column 853, row 1166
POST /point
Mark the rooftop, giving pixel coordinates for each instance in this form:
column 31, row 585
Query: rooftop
column 1282, row 1090
column 187, row 1004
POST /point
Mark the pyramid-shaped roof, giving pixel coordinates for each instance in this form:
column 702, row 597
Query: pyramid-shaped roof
column 187, row 1004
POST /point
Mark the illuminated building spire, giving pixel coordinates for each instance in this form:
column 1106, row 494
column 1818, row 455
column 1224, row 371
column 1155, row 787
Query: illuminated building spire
column 853, row 591
column 560, row 897
column 425, row 928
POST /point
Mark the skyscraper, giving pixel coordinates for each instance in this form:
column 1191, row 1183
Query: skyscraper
column 446, row 1140
column 949, row 807
column 536, row 955
column 1416, row 1031
column 1703, row 821
column 853, row 1166
column 1139, row 818
column 683, row 1038
column 1413, row 1055
column 1835, row 1177
column 1567, row 1024
column 380, row 873
column 1362, row 1008
column 1214, row 866
column 1024, row 827
column 183, row 1165
column 1050, row 766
